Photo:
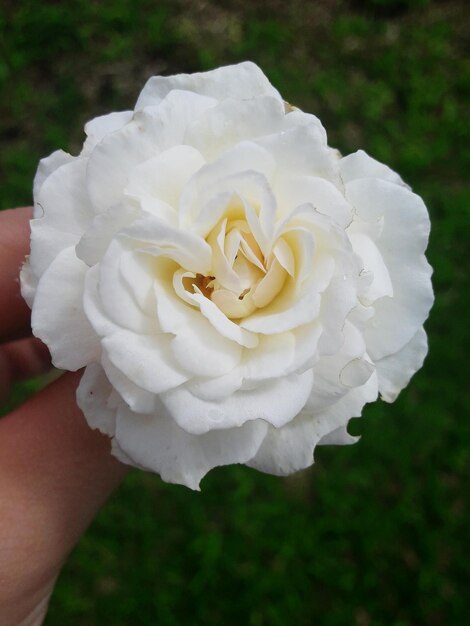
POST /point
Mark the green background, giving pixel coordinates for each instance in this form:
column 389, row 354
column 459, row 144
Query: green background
column 373, row 534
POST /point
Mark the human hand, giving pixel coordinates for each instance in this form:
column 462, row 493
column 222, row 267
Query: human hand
column 55, row 472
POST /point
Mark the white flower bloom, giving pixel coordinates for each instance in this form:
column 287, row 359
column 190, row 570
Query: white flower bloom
column 235, row 289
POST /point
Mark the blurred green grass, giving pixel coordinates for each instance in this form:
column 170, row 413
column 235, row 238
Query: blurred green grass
column 374, row 534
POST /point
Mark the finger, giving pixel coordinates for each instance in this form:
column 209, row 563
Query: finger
column 55, row 472
column 20, row 360
column 14, row 246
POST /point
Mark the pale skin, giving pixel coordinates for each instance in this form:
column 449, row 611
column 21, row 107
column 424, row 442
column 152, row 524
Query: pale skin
column 55, row 472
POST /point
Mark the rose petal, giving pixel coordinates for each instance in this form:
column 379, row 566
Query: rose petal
column 157, row 443
column 372, row 260
column 244, row 170
column 117, row 299
column 165, row 175
column 271, row 359
column 360, row 165
column 222, row 324
column 291, row 448
column 146, row 360
column 58, row 318
column 28, row 282
column 97, row 128
column 276, row 402
column 138, row 399
column 66, row 214
column 221, row 83
column 200, row 351
column 293, row 190
column 301, row 150
column 162, row 239
column 46, row 167
column 394, row 371
column 328, row 386
column 402, row 244
column 286, row 312
column 338, row 437
column 93, row 394
column 96, row 239
column 233, row 121
column 151, row 131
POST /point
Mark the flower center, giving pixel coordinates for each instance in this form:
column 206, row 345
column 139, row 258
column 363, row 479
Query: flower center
column 203, row 283
column 242, row 277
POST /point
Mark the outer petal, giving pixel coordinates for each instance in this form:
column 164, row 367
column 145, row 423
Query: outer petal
column 380, row 284
column 289, row 449
column 93, row 394
column 401, row 244
column 58, row 317
column 97, row 128
column 276, row 402
column 242, row 81
column 112, row 160
column 333, row 373
column 66, row 214
column 151, row 131
column 46, row 167
column 361, row 165
column 157, row 443
column 233, row 121
column 296, row 117
column 138, row 399
column 145, row 359
column 338, row 437
column 29, row 283
column 302, row 150
column 395, row 371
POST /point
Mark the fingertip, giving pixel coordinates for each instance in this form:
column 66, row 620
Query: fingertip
column 14, row 246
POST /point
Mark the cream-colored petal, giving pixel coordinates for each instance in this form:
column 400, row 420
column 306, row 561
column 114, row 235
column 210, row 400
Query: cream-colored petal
column 222, row 324
column 270, row 285
column 231, row 305
column 288, row 311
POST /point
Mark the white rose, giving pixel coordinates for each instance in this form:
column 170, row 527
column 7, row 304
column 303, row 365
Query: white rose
column 235, row 289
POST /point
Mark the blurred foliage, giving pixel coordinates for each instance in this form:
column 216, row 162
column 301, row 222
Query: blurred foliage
column 373, row 534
